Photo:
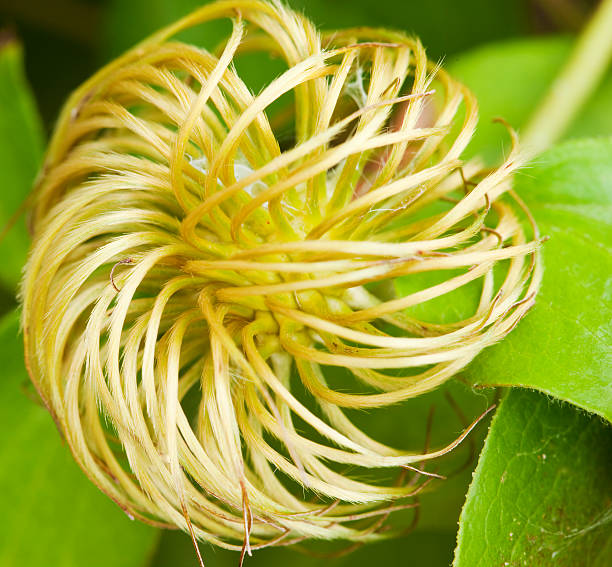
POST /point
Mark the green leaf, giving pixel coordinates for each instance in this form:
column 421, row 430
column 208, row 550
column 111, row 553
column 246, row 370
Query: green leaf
column 563, row 346
column 52, row 514
column 21, row 146
column 542, row 491
column 510, row 78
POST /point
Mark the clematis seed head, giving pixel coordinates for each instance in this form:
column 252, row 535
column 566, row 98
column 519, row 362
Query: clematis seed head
column 204, row 256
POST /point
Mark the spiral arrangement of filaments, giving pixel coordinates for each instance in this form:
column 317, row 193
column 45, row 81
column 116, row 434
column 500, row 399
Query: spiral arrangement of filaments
column 191, row 267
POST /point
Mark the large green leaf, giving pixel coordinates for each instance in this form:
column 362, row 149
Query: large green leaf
column 52, row 514
column 510, row 78
column 21, row 144
column 563, row 347
column 542, row 491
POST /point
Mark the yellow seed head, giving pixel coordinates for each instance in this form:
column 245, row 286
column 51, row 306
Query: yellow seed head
column 188, row 270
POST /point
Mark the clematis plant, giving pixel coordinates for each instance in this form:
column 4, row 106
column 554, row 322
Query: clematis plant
column 223, row 284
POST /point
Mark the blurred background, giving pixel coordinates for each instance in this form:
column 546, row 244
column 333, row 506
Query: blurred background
column 507, row 51
column 66, row 40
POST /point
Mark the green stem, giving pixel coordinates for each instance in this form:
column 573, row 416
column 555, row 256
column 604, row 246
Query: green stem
column 572, row 87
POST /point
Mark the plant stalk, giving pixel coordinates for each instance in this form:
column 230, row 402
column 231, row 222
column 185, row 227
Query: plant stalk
column 580, row 76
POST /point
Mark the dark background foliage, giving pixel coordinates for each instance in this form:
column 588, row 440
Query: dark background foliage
column 66, row 40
